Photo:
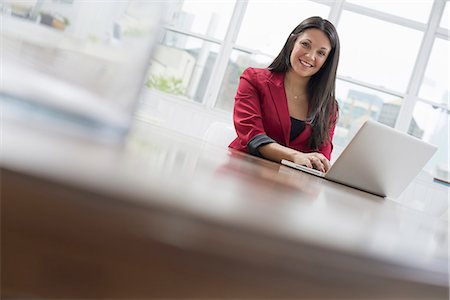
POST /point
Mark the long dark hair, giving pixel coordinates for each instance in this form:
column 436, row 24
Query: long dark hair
column 324, row 110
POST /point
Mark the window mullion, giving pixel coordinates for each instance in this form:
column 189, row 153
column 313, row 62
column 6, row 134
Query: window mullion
column 405, row 115
column 443, row 33
column 335, row 12
column 370, row 86
column 204, row 37
column 221, row 63
column 369, row 12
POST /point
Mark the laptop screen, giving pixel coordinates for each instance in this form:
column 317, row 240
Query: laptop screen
column 82, row 62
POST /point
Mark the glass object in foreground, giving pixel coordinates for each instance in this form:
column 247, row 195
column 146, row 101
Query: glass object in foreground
column 83, row 61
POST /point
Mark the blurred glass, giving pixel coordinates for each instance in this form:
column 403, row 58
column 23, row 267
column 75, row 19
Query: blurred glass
column 238, row 62
column 83, row 58
column 444, row 21
column 182, row 65
column 377, row 52
column 204, row 17
column 435, row 84
column 358, row 104
column 417, row 10
column 267, row 24
column 433, row 122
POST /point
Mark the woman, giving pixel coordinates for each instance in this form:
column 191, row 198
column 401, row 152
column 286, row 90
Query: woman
column 289, row 111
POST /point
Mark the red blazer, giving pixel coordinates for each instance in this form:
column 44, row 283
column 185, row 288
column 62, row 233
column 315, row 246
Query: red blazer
column 261, row 108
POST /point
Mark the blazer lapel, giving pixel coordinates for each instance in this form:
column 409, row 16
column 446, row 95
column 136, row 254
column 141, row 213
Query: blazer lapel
column 276, row 87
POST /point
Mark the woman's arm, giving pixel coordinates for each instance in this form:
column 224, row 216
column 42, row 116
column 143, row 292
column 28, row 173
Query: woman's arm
column 247, row 113
column 277, row 152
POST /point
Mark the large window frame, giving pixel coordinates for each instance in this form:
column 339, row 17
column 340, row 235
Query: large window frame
column 430, row 29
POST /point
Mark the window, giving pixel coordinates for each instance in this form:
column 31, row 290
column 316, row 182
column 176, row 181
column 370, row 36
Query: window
column 432, row 122
column 182, row 65
column 435, row 82
column 433, row 119
column 238, row 62
column 267, row 24
column 372, row 51
column 444, row 20
column 184, row 59
column 417, row 10
column 259, row 41
column 358, row 104
column 209, row 18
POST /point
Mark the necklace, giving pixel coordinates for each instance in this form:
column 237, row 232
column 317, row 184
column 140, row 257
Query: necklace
column 296, row 97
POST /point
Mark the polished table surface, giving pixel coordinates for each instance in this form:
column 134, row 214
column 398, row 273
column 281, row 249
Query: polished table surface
column 167, row 216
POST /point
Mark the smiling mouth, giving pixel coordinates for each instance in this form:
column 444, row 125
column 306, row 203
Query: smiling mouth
column 305, row 64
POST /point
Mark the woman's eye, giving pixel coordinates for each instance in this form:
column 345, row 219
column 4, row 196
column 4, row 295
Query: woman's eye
column 304, row 44
column 322, row 53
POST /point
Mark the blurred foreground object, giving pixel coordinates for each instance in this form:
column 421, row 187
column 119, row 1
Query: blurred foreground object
column 76, row 66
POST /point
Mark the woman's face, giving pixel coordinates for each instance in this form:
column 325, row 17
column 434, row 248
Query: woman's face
column 310, row 52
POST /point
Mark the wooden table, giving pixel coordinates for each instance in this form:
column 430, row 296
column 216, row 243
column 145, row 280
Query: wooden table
column 167, row 216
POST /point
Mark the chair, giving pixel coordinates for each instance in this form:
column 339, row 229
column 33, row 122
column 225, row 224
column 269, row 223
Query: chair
column 219, row 134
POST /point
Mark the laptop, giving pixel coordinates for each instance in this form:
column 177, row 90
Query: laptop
column 83, row 71
column 379, row 160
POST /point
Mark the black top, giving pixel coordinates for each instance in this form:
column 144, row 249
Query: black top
column 297, row 127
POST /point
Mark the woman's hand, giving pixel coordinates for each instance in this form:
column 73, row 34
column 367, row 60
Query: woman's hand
column 277, row 152
column 313, row 160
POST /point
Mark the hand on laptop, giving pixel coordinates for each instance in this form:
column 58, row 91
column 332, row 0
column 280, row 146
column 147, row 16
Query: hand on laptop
column 313, row 160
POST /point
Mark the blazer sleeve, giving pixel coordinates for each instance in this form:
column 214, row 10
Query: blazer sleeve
column 247, row 115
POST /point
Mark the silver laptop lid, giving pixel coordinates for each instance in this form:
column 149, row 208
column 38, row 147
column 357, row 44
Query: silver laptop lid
column 381, row 160
column 76, row 62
